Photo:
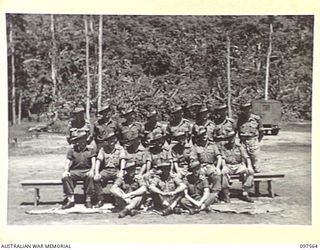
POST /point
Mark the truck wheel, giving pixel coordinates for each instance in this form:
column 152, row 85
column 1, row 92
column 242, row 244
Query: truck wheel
column 275, row 131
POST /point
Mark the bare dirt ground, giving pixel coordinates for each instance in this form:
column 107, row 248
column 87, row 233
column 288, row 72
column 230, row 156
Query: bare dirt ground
column 43, row 158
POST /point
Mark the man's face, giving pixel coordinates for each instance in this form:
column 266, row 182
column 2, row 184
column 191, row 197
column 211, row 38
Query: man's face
column 105, row 113
column 203, row 116
column 131, row 171
column 165, row 170
column 130, row 117
column 246, row 111
column 196, row 171
column 78, row 116
column 81, row 143
column 202, row 138
column 181, row 139
column 159, row 142
column 220, row 114
column 176, row 116
column 110, row 142
column 134, row 143
column 152, row 119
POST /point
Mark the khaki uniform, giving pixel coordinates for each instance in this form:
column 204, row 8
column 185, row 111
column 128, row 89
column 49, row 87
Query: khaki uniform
column 75, row 127
column 209, row 125
column 140, row 156
column 207, row 156
column 196, row 186
column 100, row 130
column 235, row 159
column 126, row 131
column 149, row 131
column 249, row 134
column 168, row 185
column 222, row 131
column 185, row 126
column 109, row 169
column 182, row 157
column 80, row 166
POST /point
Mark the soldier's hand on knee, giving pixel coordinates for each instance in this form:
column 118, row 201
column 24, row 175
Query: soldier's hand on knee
column 90, row 174
column 250, row 170
column 97, row 177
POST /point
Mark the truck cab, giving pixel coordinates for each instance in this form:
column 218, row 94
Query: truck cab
column 270, row 113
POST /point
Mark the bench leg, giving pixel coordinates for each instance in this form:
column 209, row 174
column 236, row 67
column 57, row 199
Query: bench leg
column 271, row 194
column 36, row 196
column 257, row 188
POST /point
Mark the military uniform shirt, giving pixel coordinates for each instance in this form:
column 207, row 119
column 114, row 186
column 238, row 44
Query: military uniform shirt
column 141, row 156
column 126, row 131
column 148, row 132
column 205, row 154
column 168, row 185
column 129, row 185
column 184, row 126
column 196, row 185
column 101, row 130
column 250, row 127
column 81, row 159
column 183, row 157
column 222, row 130
column 75, row 127
column 111, row 160
column 235, row 155
column 209, row 125
column 159, row 154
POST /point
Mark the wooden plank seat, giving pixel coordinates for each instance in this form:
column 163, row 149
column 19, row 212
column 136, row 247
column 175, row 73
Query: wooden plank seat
column 258, row 177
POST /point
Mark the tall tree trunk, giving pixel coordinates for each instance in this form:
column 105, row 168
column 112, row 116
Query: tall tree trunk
column 229, row 77
column 13, row 79
column 268, row 63
column 53, row 58
column 19, row 107
column 87, row 67
column 94, row 75
column 100, row 62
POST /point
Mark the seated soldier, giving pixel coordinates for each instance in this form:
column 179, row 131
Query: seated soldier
column 107, row 165
column 179, row 154
column 78, row 124
column 166, row 189
column 236, row 161
column 209, row 156
column 79, row 166
column 129, row 191
column 197, row 195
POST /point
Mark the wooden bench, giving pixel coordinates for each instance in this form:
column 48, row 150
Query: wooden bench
column 258, row 177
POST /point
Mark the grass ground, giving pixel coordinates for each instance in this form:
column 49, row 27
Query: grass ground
column 43, row 158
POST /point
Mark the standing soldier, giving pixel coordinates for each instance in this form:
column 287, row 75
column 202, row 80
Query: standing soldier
column 129, row 126
column 78, row 124
column 166, row 189
column 197, row 195
column 192, row 108
column 107, row 165
column 224, row 126
column 177, row 123
column 79, row 166
column 250, row 133
column 104, row 125
column 203, row 121
column 180, row 151
column 152, row 125
column 209, row 156
column 236, row 161
column 129, row 191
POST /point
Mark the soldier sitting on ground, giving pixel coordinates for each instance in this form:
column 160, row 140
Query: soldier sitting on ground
column 129, row 191
column 166, row 189
column 236, row 161
column 104, row 125
column 107, row 165
column 209, row 156
column 197, row 195
column 79, row 166
column 77, row 124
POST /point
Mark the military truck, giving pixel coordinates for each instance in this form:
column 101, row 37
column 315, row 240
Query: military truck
column 270, row 113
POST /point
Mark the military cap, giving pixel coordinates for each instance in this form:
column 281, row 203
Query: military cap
column 245, row 105
column 151, row 113
column 178, row 133
column 200, row 131
column 129, row 165
column 163, row 165
column 78, row 110
column 231, row 135
column 79, row 135
column 221, row 107
column 127, row 111
column 108, row 136
column 104, row 107
column 194, row 164
column 156, row 136
column 175, row 108
column 203, row 109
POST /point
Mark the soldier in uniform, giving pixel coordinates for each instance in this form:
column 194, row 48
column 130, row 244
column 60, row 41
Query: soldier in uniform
column 107, row 165
column 224, row 126
column 166, row 189
column 79, row 166
column 250, row 133
column 180, row 151
column 104, row 125
column 209, row 156
column 192, row 108
column 129, row 191
column 203, row 121
column 78, row 124
column 197, row 195
column 129, row 126
column 236, row 161
column 152, row 125
column 177, row 123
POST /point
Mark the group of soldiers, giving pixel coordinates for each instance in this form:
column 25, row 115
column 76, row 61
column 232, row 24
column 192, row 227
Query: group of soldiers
column 179, row 166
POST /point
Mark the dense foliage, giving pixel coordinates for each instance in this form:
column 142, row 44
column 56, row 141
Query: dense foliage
column 152, row 59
